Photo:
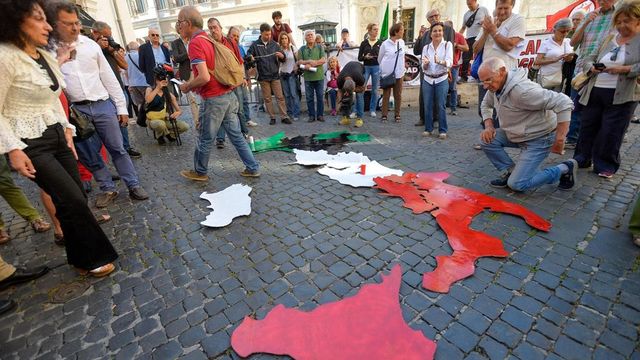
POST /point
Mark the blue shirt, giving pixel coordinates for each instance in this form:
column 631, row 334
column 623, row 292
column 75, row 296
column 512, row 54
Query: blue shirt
column 136, row 77
column 158, row 55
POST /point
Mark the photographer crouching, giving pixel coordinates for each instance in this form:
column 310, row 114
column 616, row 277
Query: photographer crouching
column 159, row 102
column 350, row 80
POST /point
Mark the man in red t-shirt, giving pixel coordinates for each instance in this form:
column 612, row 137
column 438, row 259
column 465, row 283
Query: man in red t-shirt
column 219, row 104
column 459, row 46
column 215, row 30
column 279, row 27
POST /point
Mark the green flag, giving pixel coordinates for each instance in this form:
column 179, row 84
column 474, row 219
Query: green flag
column 384, row 29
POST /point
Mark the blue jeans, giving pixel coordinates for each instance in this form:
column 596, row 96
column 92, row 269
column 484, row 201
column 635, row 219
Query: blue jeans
column 103, row 113
column 372, row 71
column 241, row 116
column 525, row 174
column 453, row 88
column 290, row 91
column 215, row 112
column 314, row 88
column 333, row 94
column 89, row 156
column 359, row 105
column 574, row 125
column 435, row 96
column 125, row 137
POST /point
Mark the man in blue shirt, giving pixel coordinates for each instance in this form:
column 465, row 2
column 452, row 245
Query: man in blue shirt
column 137, row 80
column 152, row 54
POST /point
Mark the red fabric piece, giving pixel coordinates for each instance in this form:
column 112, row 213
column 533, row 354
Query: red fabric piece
column 368, row 325
column 454, row 208
column 566, row 12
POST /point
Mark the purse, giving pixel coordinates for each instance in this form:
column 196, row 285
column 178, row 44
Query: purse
column 389, row 80
column 84, row 126
column 550, row 81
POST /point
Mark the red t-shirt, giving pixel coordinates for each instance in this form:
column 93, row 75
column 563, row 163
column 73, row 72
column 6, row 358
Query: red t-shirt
column 233, row 46
column 201, row 50
column 457, row 54
column 275, row 33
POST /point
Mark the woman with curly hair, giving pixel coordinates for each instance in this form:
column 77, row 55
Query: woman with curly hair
column 36, row 134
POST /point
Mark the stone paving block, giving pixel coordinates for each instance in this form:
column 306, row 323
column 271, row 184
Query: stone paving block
column 538, row 340
column 526, row 351
column 214, row 345
column 446, row 350
column 504, row 333
column 170, row 350
column 493, row 349
column 488, row 307
column 517, row 319
column 461, row 337
column 569, row 349
column 153, row 340
column 580, row 333
column 618, row 343
column 437, row 317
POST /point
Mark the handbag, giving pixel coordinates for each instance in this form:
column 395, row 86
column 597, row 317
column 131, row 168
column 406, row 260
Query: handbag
column 84, row 126
column 582, row 78
column 550, row 81
column 389, row 80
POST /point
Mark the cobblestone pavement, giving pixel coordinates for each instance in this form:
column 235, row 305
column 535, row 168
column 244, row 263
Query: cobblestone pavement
column 180, row 289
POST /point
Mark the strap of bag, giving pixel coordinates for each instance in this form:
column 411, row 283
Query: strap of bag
column 397, row 55
column 471, row 19
column 134, row 63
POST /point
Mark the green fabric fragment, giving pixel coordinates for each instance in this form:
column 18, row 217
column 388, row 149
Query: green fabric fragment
column 271, row 143
column 359, row 137
column 329, row 135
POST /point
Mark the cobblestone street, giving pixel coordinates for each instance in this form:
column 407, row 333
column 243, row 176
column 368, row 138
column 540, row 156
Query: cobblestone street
column 180, row 289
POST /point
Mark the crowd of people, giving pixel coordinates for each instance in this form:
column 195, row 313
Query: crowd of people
column 66, row 100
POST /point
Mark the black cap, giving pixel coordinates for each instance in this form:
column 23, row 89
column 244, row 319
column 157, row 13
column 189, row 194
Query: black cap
column 345, row 30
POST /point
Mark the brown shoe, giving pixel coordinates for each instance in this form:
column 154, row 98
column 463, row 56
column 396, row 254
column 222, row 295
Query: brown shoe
column 4, row 236
column 40, row 226
column 192, row 175
column 103, row 200
column 102, row 271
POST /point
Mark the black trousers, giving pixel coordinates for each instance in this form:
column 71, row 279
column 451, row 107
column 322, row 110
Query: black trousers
column 86, row 244
column 602, row 129
column 466, row 58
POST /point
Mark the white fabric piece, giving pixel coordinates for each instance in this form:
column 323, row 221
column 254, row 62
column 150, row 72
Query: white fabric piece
column 345, row 160
column 321, row 157
column 351, row 175
column 310, row 158
column 227, row 204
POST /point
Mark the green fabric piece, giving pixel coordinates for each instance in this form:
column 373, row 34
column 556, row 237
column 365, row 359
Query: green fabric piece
column 634, row 222
column 329, row 135
column 359, row 137
column 271, row 143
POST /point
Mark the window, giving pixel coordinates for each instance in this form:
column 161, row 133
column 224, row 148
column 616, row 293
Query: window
column 161, row 4
column 408, row 20
column 137, row 7
column 180, row 3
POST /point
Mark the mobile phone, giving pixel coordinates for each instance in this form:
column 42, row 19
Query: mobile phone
column 599, row 66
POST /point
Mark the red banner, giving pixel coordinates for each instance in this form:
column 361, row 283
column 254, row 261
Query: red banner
column 584, row 5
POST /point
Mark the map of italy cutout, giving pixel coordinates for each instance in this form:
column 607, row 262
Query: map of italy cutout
column 368, row 325
column 227, row 204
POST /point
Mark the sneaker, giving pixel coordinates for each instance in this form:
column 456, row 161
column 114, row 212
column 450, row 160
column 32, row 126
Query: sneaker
column 252, row 123
column 295, row 118
column 192, row 175
column 606, row 174
column 442, row 136
column 272, row 122
column 161, row 140
column 419, row 123
column 249, row 173
column 426, row 133
column 345, row 121
column 372, row 114
column 286, row 121
column 321, row 118
column 569, row 145
column 104, row 199
column 311, row 120
column 635, row 120
column 636, row 240
column 500, row 182
column 477, row 147
column 352, row 116
column 171, row 138
column 359, row 123
column 220, row 144
column 453, row 113
column 138, row 193
column 568, row 180
column 333, row 112
column 133, row 153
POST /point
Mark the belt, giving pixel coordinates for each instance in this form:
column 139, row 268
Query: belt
column 86, row 102
column 437, row 75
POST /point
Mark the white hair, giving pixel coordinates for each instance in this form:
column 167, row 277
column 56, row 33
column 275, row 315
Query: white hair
column 307, row 32
column 493, row 64
column 579, row 12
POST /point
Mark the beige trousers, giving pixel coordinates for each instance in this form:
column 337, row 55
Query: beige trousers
column 6, row 269
column 274, row 85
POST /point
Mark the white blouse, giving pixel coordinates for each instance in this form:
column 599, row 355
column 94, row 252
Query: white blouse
column 387, row 58
column 443, row 52
column 27, row 104
column 290, row 62
column 606, row 80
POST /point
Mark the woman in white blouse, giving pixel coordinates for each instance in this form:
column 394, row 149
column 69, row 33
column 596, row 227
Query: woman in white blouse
column 437, row 59
column 36, row 134
column 553, row 51
column 391, row 60
column 288, row 77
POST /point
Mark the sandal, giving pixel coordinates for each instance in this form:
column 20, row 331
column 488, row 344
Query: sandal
column 384, row 119
column 58, row 239
column 40, row 226
column 397, row 118
column 103, row 218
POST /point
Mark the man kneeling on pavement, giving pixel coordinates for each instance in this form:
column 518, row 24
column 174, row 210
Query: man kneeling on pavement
column 350, row 80
column 533, row 119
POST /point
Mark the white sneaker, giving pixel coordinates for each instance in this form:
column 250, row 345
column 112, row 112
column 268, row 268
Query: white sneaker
column 442, row 136
column 373, row 114
column 252, row 123
column 352, row 116
column 426, row 133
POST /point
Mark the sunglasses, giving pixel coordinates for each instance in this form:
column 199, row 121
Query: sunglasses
column 614, row 53
column 155, row 35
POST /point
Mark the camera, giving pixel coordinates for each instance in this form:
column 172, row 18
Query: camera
column 599, row 66
column 113, row 44
column 249, row 61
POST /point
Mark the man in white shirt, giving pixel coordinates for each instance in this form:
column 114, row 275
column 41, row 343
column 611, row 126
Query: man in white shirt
column 94, row 90
column 472, row 24
column 500, row 38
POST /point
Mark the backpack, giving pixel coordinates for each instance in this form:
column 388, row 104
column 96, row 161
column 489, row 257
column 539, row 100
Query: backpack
column 227, row 69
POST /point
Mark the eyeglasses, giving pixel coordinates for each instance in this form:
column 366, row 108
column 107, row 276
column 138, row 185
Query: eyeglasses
column 155, row 35
column 614, row 54
column 71, row 24
column 434, row 15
